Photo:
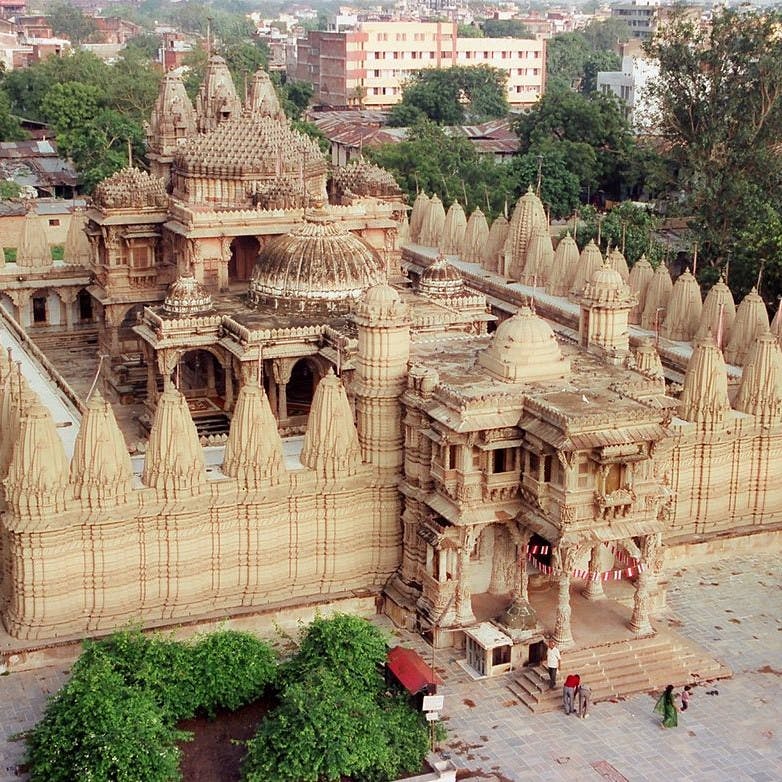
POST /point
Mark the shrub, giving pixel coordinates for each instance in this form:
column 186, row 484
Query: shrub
column 97, row 729
column 161, row 667
column 335, row 718
column 351, row 647
column 231, row 669
column 321, row 731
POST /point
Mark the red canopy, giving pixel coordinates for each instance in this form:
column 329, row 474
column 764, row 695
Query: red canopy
column 410, row 669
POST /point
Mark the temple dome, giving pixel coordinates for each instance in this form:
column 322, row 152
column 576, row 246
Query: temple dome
column 606, row 285
column 441, row 279
column 319, row 260
column 258, row 161
column 186, row 297
column 362, row 178
column 131, row 188
column 524, row 348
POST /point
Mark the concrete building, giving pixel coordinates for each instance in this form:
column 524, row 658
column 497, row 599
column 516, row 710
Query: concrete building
column 367, row 66
column 630, row 86
column 641, row 16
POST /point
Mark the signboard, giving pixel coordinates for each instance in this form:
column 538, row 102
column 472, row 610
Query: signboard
column 433, row 702
column 432, row 716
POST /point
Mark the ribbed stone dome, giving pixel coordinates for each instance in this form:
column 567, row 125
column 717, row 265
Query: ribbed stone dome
column 319, row 260
column 441, row 279
column 524, row 348
column 186, row 296
column 606, row 285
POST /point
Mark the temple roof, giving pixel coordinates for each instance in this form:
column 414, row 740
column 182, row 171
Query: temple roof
column 250, row 144
column 130, row 188
column 186, row 296
column 441, row 279
column 362, row 178
column 319, row 260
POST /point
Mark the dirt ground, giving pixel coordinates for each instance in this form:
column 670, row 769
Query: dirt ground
column 212, row 756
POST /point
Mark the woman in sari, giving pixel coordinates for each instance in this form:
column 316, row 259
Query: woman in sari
column 667, row 708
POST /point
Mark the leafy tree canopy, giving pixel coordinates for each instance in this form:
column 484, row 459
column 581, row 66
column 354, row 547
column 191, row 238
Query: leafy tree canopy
column 559, row 187
column 448, row 95
column 431, row 160
column 573, row 61
column 10, row 129
column 720, row 109
column 590, row 132
column 469, row 31
column 506, row 28
column 70, row 22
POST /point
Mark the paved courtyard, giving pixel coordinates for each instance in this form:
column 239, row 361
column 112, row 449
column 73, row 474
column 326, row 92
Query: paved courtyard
column 731, row 608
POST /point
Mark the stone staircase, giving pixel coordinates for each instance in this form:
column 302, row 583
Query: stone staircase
column 620, row 669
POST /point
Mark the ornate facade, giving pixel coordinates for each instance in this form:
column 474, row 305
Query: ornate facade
column 383, row 434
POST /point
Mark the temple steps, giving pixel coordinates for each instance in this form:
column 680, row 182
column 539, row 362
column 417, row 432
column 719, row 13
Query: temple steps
column 620, row 669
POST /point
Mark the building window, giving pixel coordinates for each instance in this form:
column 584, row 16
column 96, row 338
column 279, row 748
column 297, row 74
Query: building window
column 449, row 457
column 54, row 222
column 39, row 309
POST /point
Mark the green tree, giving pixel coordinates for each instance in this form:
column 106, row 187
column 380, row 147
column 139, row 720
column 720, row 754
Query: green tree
column 71, row 22
column 10, row 129
column 559, row 189
column 9, row 190
column 626, row 225
column 98, row 728
column 335, row 718
column 590, row 132
column 469, row 31
column 447, row 95
column 449, row 165
column 506, row 28
column 606, row 34
column 720, row 111
column 146, row 44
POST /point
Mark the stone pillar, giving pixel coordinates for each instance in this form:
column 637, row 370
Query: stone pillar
column 463, row 603
column 211, row 387
column 594, row 587
column 67, row 299
column 563, row 558
column 229, row 384
column 222, row 266
column 281, row 374
column 640, row 622
column 521, row 573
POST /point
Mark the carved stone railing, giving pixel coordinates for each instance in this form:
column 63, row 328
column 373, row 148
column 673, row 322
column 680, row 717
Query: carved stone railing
column 500, row 486
column 615, row 504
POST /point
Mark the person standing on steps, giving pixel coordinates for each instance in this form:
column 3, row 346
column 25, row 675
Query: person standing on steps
column 569, row 692
column 552, row 663
column 584, row 700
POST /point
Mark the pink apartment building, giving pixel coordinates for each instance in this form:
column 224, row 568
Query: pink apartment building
column 368, row 66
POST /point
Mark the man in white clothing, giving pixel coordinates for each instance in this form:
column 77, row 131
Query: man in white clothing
column 552, row 662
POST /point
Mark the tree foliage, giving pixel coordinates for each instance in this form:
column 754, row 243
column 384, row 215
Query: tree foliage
column 10, row 129
column 574, row 59
column 720, row 109
column 115, row 718
column 71, row 22
column 434, row 161
column 589, row 132
column 448, row 95
column 625, row 226
column 335, row 718
column 506, row 28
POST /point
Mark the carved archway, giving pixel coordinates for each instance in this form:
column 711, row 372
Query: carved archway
column 244, row 253
column 300, row 389
column 200, row 375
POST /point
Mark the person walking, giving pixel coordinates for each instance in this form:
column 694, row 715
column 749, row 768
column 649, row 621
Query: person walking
column 667, row 707
column 584, row 700
column 686, row 693
column 569, row 692
column 552, row 663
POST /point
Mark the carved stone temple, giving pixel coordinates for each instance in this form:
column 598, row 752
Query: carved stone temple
column 410, row 407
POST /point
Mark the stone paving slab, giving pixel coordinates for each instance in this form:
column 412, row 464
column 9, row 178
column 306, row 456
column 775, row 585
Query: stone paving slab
column 731, row 608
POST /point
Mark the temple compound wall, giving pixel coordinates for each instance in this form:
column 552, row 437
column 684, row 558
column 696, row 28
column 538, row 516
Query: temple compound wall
column 91, row 543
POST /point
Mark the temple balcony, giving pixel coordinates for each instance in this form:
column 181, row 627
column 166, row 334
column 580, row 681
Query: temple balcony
column 500, row 486
column 615, row 504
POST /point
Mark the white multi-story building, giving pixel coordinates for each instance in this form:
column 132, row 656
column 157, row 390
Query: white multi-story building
column 630, row 86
